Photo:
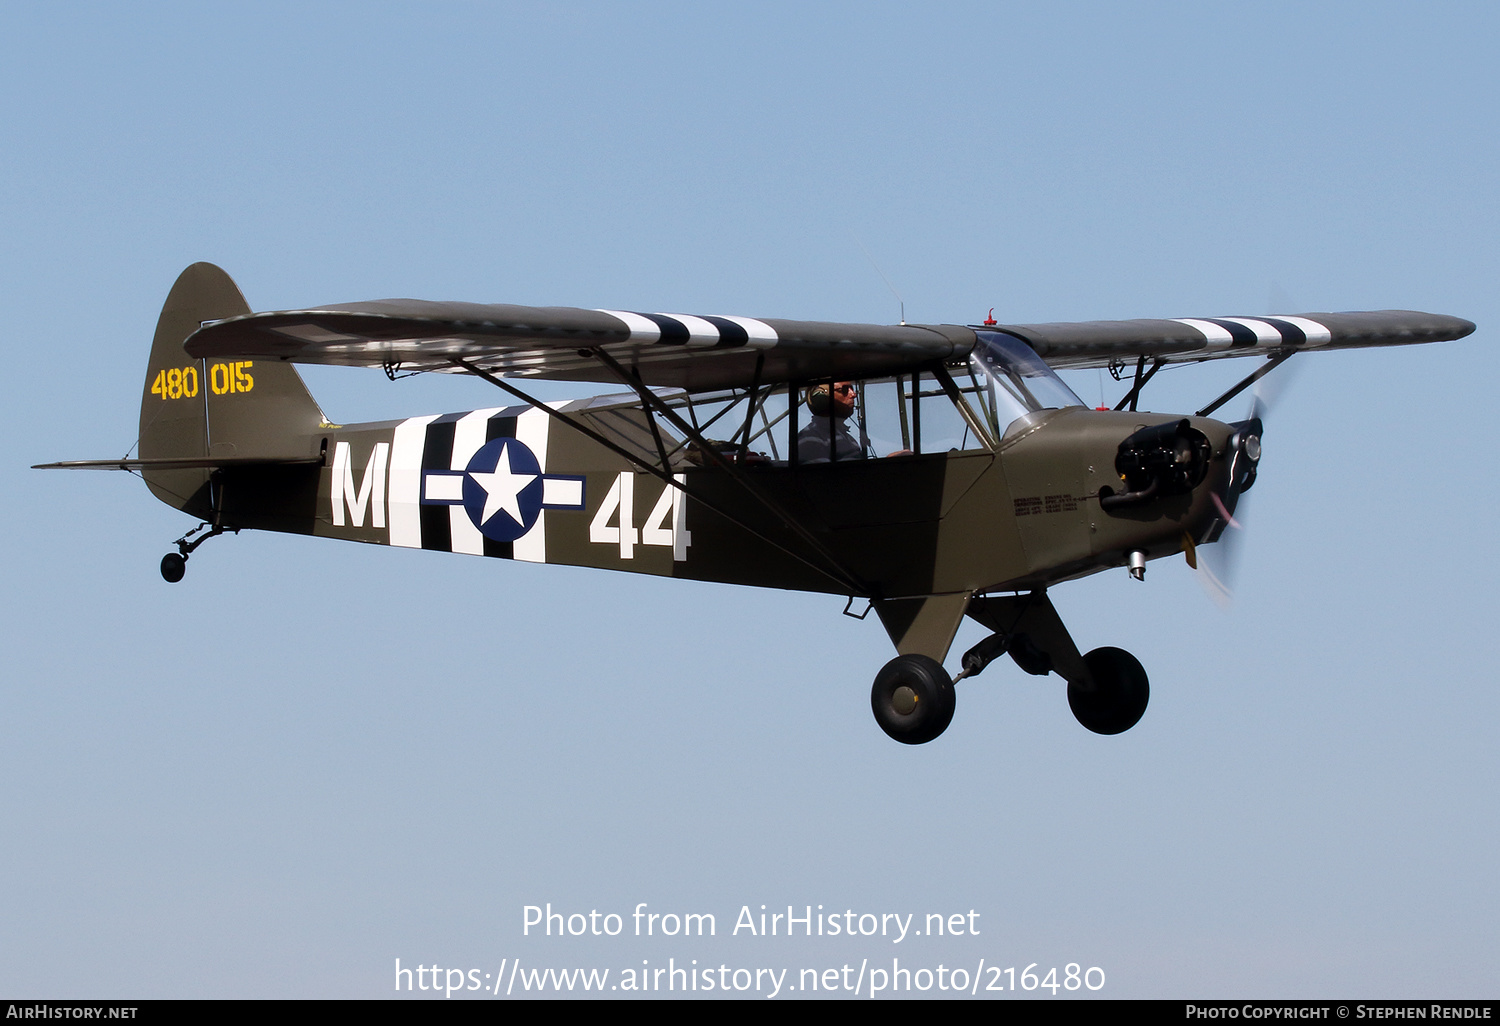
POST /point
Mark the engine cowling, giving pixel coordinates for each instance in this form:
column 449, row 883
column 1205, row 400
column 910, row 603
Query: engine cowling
column 1157, row 462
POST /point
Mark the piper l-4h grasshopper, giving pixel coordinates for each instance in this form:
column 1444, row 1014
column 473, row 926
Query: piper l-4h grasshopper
column 935, row 471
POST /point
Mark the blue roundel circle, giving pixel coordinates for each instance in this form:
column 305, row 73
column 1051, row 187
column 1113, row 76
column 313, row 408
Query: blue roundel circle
column 503, row 489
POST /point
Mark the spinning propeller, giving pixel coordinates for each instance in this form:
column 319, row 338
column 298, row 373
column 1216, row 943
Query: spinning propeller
column 1218, row 564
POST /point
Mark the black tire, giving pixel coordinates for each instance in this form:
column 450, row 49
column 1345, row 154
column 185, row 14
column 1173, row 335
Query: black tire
column 173, row 566
column 1119, row 696
column 913, row 699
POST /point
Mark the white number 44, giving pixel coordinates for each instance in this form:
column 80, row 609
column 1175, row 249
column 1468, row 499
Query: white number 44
column 666, row 525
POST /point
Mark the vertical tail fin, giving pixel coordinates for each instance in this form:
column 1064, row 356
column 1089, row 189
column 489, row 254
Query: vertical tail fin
column 215, row 408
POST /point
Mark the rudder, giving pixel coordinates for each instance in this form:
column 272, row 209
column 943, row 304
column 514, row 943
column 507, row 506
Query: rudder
column 215, row 409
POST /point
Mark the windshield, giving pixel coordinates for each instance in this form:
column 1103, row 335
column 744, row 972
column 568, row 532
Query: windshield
column 1012, row 381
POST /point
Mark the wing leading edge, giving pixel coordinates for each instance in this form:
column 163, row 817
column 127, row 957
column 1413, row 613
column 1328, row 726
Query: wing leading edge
column 698, row 352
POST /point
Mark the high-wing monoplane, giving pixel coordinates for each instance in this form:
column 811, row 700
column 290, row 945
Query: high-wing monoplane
column 933, row 471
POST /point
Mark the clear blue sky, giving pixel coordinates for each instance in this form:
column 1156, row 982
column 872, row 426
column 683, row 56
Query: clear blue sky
column 311, row 759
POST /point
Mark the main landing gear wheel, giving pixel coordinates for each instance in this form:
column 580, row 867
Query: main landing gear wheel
column 1118, row 698
column 912, row 699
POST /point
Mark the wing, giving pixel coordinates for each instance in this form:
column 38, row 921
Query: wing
column 698, row 353
column 691, row 352
column 1101, row 343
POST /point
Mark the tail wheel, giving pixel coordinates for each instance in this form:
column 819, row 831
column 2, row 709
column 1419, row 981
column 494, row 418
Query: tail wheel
column 913, row 699
column 173, row 566
column 1118, row 698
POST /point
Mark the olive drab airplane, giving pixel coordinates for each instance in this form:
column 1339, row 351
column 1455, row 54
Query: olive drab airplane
column 930, row 472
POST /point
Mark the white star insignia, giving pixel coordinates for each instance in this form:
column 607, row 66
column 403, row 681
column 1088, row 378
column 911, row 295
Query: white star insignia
column 502, row 489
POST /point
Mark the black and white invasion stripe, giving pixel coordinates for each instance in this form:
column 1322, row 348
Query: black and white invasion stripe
column 1224, row 333
column 697, row 332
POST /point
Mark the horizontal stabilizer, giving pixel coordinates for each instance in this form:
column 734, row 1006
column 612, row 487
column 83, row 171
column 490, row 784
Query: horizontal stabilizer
column 178, row 463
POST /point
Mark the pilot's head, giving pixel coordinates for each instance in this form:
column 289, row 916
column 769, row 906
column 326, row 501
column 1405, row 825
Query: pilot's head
column 844, row 395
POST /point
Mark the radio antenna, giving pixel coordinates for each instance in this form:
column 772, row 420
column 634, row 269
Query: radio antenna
column 883, row 278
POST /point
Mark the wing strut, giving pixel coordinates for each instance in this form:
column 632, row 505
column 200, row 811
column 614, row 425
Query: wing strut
column 653, row 401
column 1272, row 362
column 838, row 575
column 1134, row 395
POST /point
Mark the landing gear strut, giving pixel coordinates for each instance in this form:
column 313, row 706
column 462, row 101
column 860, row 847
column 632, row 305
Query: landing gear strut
column 1119, row 694
column 913, row 699
column 174, row 564
column 1107, row 689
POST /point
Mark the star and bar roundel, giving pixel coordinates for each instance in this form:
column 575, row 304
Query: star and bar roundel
column 502, row 489
column 503, row 486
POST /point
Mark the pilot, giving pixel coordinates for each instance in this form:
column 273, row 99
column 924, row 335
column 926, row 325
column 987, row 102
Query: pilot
column 827, row 437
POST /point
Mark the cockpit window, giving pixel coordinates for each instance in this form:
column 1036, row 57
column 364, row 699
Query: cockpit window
column 938, row 409
column 1012, row 381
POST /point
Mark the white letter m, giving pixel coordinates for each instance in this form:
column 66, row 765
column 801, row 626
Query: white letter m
column 372, row 487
